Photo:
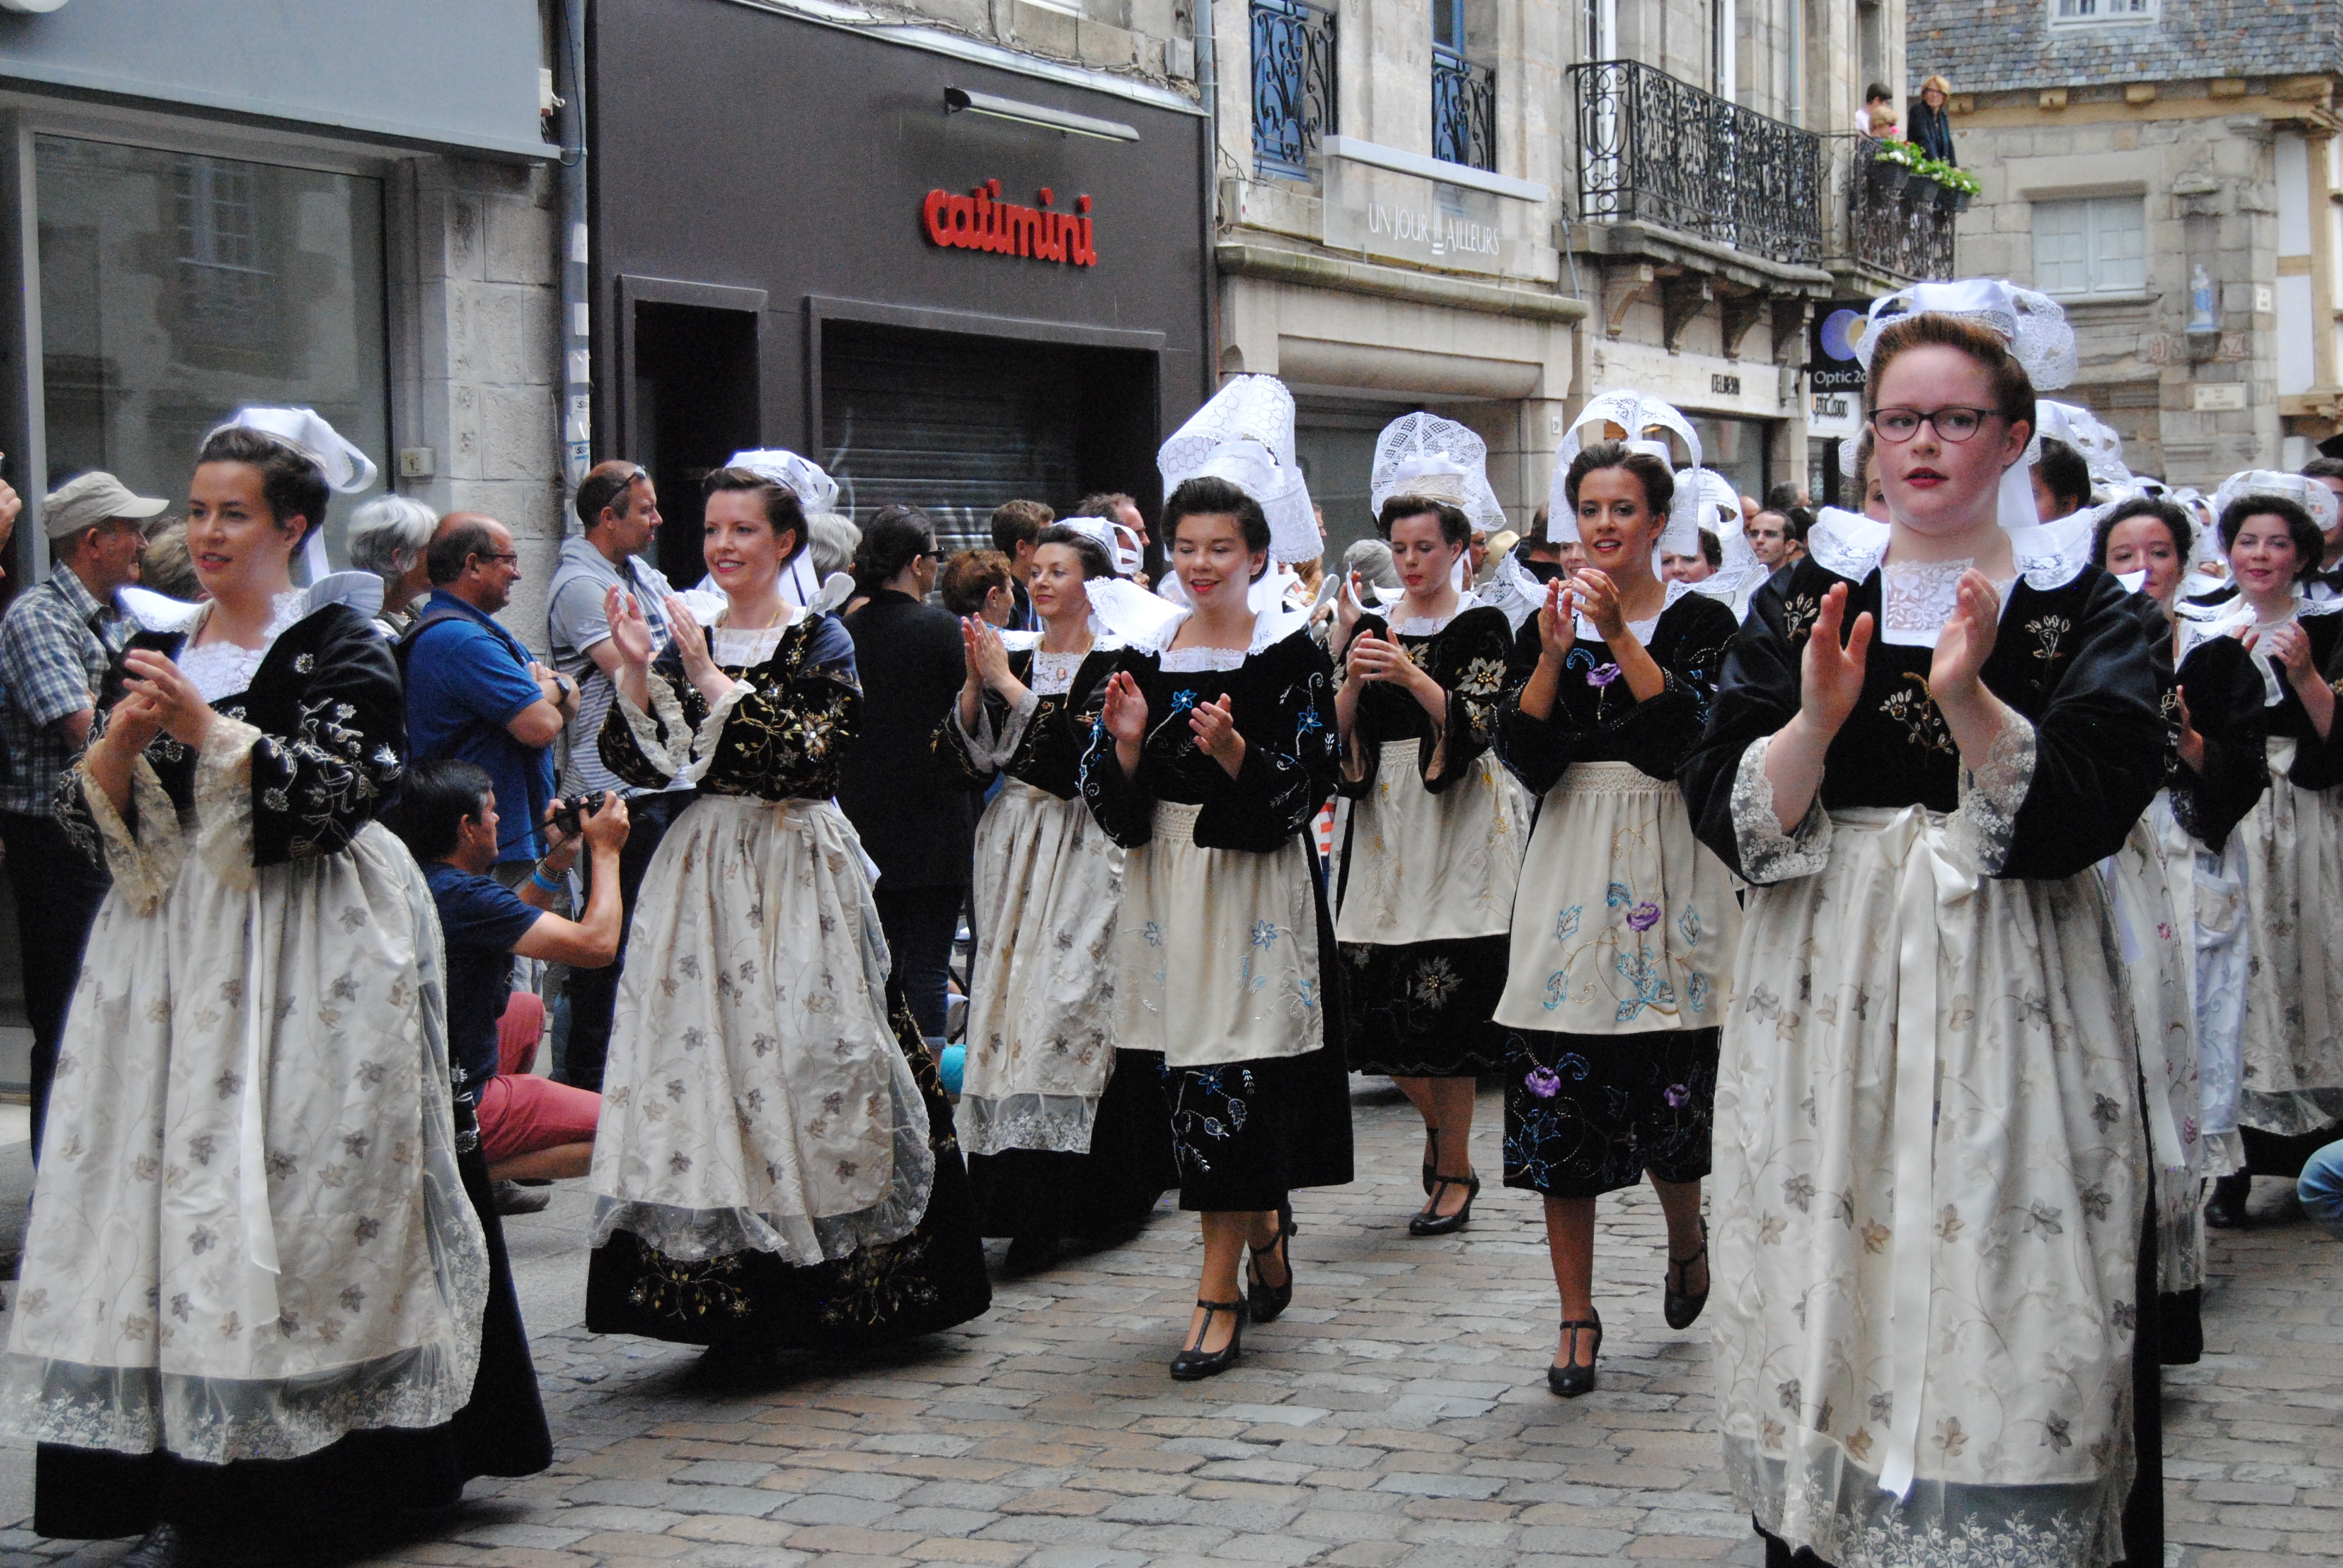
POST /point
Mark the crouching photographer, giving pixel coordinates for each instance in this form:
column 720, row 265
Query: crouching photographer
column 531, row 1128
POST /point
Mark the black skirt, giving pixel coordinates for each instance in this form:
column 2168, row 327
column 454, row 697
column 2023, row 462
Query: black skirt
column 929, row 1279
column 1246, row 1133
column 1103, row 1194
column 1587, row 1114
column 357, row 1484
column 1421, row 1009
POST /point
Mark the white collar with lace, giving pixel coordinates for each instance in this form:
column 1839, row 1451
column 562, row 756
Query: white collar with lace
column 1434, row 625
column 2200, row 624
column 1916, row 598
column 1269, row 627
column 222, row 669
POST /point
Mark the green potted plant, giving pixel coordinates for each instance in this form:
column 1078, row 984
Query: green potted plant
column 1892, row 163
column 1955, row 188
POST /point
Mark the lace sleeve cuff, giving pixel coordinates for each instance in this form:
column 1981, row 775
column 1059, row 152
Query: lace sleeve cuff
column 988, row 750
column 647, row 730
column 1768, row 854
column 143, row 865
column 224, row 800
column 711, row 730
column 1987, row 819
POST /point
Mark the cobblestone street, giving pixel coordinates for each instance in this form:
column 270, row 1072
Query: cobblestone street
column 1397, row 1415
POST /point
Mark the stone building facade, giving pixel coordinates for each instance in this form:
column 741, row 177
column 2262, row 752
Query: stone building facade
column 2168, row 173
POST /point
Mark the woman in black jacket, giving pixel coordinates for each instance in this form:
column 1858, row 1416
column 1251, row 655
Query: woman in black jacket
column 912, row 809
column 1931, row 127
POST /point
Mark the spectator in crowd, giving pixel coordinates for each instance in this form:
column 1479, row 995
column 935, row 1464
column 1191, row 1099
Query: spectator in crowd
column 1879, row 112
column 1932, row 127
column 54, row 645
column 473, row 692
column 911, row 809
column 1015, row 526
column 1769, row 539
column 2062, row 480
column 619, row 516
column 979, row 583
column 166, row 566
column 1802, row 522
column 1697, row 566
column 531, row 1128
column 1781, row 497
column 834, row 540
column 388, row 537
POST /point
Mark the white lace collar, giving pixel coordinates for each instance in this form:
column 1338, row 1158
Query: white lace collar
column 1434, row 625
column 1053, row 674
column 223, row 669
column 2200, row 624
column 2047, row 555
column 1269, row 628
column 1641, row 629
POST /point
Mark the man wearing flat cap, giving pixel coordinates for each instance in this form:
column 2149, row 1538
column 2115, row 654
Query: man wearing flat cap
column 54, row 645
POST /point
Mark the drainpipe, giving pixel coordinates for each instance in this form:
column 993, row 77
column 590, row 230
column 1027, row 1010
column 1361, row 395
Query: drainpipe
column 577, row 412
column 1208, row 167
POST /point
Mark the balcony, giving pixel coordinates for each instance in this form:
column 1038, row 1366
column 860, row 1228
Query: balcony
column 1293, row 85
column 1464, row 111
column 1656, row 150
column 1898, row 228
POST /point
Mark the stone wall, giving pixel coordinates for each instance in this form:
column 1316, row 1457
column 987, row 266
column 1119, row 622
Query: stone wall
column 476, row 354
column 1151, row 39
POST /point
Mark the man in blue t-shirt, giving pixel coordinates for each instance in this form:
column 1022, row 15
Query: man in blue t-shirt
column 473, row 692
column 530, row 1127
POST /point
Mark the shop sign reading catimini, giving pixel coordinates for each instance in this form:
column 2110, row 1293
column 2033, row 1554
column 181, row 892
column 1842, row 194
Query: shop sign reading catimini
column 982, row 221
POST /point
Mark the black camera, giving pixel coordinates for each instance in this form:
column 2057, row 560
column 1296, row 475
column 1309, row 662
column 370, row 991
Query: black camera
column 570, row 815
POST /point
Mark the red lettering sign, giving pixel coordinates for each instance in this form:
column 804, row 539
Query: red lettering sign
column 982, row 221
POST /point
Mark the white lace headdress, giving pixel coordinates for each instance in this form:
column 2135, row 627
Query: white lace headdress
column 1121, row 545
column 2309, row 494
column 2100, row 446
column 816, row 492
column 1245, row 435
column 1439, row 460
column 2040, row 339
column 1715, row 506
column 347, row 469
column 1636, row 416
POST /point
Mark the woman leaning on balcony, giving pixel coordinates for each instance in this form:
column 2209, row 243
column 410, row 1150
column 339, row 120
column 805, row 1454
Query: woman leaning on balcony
column 1931, row 125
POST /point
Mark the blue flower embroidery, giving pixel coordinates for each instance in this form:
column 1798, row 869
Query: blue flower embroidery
column 1696, row 993
column 1182, row 700
column 1565, row 925
column 1688, row 923
column 1309, row 720
column 1618, row 895
column 1152, row 934
column 1264, row 933
column 1557, row 989
column 1652, row 990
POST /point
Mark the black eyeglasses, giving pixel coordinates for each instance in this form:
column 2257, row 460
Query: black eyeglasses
column 1952, row 423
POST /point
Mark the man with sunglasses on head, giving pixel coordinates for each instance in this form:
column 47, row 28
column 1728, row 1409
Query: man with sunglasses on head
column 618, row 517
column 473, row 692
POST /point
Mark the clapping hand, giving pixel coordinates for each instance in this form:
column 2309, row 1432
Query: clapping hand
column 987, row 654
column 1831, row 675
column 176, row 706
column 1967, row 640
column 630, row 633
column 1125, row 715
column 1558, row 620
column 1216, row 734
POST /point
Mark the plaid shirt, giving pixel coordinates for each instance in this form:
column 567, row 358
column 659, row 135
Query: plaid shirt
column 54, row 645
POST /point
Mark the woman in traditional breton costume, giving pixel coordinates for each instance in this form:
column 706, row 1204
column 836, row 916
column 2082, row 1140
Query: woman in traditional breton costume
column 1065, row 1135
column 254, row 1295
column 2177, row 908
column 775, row 1167
column 2287, row 1083
column 1436, row 830
column 1623, row 926
column 1931, row 1167
column 1213, row 753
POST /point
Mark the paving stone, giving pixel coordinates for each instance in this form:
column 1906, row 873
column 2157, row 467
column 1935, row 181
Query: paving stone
column 1395, row 1417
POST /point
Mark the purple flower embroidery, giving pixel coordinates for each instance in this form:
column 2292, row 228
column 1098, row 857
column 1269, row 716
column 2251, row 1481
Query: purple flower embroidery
column 1603, row 675
column 1543, row 1082
column 1677, row 1094
column 1643, row 916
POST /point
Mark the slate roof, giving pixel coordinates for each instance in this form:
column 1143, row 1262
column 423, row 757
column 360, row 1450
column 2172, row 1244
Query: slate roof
column 1998, row 46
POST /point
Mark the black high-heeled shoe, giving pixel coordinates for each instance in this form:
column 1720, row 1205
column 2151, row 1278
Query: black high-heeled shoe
column 2225, row 1210
column 1682, row 1307
column 1432, row 1222
column 1194, row 1361
column 1570, row 1380
column 1267, row 1300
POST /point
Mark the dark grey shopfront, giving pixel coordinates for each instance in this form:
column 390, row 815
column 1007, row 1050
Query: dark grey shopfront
column 765, row 239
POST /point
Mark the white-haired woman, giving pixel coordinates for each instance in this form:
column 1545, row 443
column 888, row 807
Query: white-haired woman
column 388, row 536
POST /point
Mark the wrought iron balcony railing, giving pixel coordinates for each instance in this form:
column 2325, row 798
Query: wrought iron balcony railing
column 1652, row 149
column 1293, row 85
column 1464, row 111
column 1897, row 224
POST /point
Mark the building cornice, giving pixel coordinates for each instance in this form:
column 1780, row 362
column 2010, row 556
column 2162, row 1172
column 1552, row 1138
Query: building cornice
column 1275, row 264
